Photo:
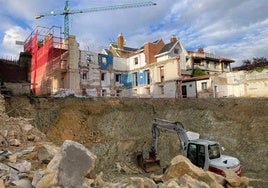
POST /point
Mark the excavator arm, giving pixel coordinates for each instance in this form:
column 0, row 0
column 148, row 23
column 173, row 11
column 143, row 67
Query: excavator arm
column 153, row 163
column 174, row 126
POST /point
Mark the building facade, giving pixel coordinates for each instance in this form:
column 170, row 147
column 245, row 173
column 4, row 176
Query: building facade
column 155, row 70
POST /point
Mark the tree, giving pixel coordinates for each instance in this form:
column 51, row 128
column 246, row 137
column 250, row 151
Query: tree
column 254, row 63
column 198, row 72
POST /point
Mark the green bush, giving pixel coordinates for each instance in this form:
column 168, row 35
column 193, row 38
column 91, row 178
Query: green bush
column 198, row 72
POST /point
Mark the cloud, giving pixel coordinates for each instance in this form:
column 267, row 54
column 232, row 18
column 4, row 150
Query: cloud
column 9, row 40
column 234, row 29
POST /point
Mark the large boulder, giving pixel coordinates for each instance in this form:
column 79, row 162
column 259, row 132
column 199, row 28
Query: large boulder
column 180, row 165
column 183, row 181
column 46, row 152
column 69, row 166
column 184, row 173
column 233, row 180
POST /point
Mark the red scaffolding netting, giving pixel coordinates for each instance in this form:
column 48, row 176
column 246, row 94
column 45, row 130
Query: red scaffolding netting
column 46, row 50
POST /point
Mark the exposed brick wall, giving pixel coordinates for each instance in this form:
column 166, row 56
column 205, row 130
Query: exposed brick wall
column 12, row 72
column 151, row 49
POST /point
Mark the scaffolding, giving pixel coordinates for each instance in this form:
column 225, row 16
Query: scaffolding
column 49, row 52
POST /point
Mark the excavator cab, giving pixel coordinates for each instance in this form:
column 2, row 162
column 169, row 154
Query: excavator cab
column 196, row 154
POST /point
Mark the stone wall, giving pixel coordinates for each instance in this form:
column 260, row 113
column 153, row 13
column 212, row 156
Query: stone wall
column 242, row 84
column 18, row 88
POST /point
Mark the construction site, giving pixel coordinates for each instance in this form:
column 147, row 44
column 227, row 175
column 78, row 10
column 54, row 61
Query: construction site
column 77, row 118
column 114, row 129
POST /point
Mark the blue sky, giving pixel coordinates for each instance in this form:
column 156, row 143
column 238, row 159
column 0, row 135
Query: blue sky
column 236, row 29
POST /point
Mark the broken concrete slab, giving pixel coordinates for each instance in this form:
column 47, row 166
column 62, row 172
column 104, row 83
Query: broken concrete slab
column 23, row 166
column 69, row 166
column 22, row 183
column 37, row 176
column 46, row 152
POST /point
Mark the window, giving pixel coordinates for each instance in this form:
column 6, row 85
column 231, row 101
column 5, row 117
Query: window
column 176, row 51
column 103, row 92
column 135, row 79
column 118, row 93
column 118, row 78
column 147, row 73
column 207, row 63
column 225, row 65
column 84, row 75
column 104, row 61
column 162, row 73
column 196, row 154
column 102, row 76
column 191, row 153
column 89, row 58
column 204, row 85
column 201, row 156
column 161, row 89
column 215, row 65
column 136, row 60
column 214, row 151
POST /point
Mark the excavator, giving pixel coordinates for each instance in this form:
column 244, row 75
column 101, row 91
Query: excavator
column 203, row 153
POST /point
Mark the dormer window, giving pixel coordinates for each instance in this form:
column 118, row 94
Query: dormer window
column 176, row 51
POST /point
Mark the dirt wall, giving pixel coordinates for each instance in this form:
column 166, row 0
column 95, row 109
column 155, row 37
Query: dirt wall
column 114, row 128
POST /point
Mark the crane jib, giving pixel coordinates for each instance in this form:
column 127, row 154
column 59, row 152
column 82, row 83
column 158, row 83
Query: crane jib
column 66, row 11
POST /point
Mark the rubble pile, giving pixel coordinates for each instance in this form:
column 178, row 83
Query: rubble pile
column 28, row 159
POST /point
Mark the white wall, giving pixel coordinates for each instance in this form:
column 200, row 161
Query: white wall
column 243, row 84
column 190, row 88
column 199, row 85
column 170, row 89
column 107, row 80
column 141, row 61
column 121, row 64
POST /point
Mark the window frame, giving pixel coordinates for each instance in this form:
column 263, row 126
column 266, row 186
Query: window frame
column 136, row 60
column 204, row 86
column 102, row 76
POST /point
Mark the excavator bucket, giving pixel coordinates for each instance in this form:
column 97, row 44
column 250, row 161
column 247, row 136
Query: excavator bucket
column 151, row 164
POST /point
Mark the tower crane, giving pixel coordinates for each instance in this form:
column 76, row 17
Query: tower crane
column 66, row 11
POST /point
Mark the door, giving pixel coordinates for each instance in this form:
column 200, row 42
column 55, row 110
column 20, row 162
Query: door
column 196, row 154
column 184, row 91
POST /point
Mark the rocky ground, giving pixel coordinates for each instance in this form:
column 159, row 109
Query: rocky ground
column 114, row 129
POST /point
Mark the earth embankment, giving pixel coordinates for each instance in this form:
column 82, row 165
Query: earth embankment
column 115, row 128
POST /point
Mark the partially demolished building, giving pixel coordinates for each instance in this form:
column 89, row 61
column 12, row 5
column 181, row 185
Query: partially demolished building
column 155, row 70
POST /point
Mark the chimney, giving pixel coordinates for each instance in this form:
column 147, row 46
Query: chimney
column 173, row 38
column 200, row 50
column 120, row 41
